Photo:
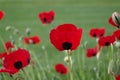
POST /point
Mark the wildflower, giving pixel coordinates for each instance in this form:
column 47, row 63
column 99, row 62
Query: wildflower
column 15, row 61
column 114, row 20
column 32, row 40
column 60, row 68
column 118, row 77
column 9, row 45
column 106, row 41
column 97, row 32
column 1, row 15
column 46, row 17
column 91, row 52
column 66, row 37
column 116, row 34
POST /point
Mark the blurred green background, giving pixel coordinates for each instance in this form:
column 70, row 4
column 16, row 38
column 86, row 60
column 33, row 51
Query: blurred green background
column 87, row 14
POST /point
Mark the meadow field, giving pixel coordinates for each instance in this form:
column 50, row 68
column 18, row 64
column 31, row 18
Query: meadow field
column 86, row 14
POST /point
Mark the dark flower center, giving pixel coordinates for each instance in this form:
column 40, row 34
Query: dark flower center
column 66, row 45
column 62, row 72
column 107, row 43
column 44, row 19
column 101, row 35
column 18, row 65
column 93, row 54
column 94, row 35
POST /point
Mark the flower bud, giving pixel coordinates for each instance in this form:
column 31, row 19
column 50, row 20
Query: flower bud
column 8, row 28
column 28, row 31
column 117, row 44
column 68, row 59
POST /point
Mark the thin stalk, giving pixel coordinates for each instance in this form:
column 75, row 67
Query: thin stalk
column 70, row 64
column 98, row 66
column 83, row 64
column 111, row 59
column 111, row 54
column 98, row 61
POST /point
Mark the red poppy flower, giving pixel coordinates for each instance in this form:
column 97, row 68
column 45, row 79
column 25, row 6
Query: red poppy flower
column 15, row 61
column 32, row 40
column 97, row 32
column 46, row 17
column 1, row 15
column 66, row 37
column 91, row 52
column 9, row 45
column 118, row 77
column 114, row 20
column 60, row 68
column 116, row 34
column 106, row 40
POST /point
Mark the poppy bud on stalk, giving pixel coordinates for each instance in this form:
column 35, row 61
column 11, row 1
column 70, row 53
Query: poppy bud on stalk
column 114, row 20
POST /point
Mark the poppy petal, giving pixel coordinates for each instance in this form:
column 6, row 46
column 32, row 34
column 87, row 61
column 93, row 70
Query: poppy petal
column 8, row 71
column 112, row 22
column 1, row 15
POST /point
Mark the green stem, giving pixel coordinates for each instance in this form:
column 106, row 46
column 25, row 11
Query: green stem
column 70, row 64
column 98, row 71
column 111, row 54
column 111, row 60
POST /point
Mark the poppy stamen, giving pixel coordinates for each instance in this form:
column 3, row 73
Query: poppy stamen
column 44, row 19
column 94, row 35
column 18, row 65
column 94, row 54
column 66, row 45
column 107, row 43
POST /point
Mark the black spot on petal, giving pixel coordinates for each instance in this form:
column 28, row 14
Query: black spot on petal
column 101, row 35
column 94, row 35
column 94, row 54
column 107, row 43
column 18, row 65
column 44, row 19
column 66, row 45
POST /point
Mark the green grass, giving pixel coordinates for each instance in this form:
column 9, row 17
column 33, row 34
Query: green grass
column 86, row 14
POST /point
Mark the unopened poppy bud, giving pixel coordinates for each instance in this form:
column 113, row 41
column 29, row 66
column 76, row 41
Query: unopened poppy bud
column 8, row 28
column 16, row 31
column 85, row 44
column 68, row 59
column 21, row 38
column 117, row 44
column 116, row 18
column 28, row 31
column 43, row 47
